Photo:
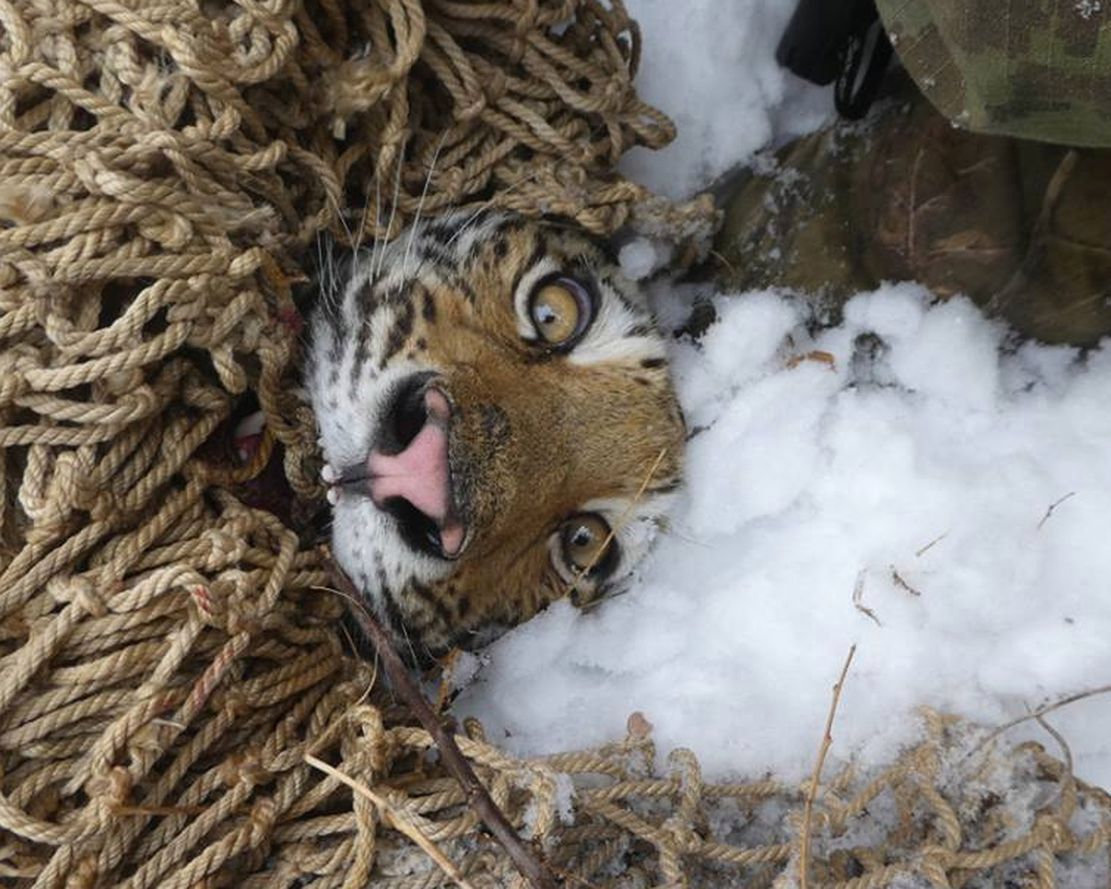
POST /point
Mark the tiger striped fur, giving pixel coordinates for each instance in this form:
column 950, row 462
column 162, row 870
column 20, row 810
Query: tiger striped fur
column 492, row 396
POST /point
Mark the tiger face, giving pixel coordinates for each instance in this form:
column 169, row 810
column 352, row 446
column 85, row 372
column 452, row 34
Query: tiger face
column 498, row 422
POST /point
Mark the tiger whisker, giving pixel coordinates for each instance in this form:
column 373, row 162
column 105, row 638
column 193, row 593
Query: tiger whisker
column 357, row 240
column 320, row 268
column 348, row 475
column 408, row 642
column 362, row 227
column 476, row 215
column 393, row 214
column 420, row 204
column 613, row 594
column 377, row 244
column 343, row 222
column 355, row 484
column 471, row 220
column 326, row 256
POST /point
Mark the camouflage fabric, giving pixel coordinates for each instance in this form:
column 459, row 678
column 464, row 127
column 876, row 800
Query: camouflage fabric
column 1036, row 69
column 1020, row 227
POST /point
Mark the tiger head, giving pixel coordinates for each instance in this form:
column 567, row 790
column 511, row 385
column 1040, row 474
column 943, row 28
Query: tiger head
column 498, row 423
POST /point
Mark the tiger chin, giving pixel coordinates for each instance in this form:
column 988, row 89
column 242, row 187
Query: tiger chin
column 498, row 423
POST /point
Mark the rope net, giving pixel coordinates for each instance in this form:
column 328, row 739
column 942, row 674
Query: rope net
column 172, row 677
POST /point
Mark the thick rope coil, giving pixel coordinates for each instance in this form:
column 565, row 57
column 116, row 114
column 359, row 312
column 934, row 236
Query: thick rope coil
column 170, row 657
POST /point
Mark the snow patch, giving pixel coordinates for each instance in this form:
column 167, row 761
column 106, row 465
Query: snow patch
column 642, row 257
column 711, row 67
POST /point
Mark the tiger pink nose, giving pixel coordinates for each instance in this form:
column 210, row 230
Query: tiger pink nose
column 420, row 473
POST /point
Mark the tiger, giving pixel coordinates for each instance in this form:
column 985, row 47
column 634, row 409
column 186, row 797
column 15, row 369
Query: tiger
column 498, row 424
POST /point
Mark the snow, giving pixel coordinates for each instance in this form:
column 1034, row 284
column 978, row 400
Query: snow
column 912, row 480
column 642, row 257
column 710, row 65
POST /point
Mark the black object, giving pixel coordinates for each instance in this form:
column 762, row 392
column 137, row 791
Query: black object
column 842, row 40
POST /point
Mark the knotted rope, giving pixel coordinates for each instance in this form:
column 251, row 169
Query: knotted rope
column 169, row 662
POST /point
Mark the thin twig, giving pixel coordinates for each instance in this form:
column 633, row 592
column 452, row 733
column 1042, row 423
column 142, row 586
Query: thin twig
column 1053, row 506
column 1066, row 751
column 1044, row 710
column 931, row 545
column 396, row 818
column 812, row 791
column 529, row 865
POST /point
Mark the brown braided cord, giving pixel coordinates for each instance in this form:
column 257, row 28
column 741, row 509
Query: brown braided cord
column 167, row 657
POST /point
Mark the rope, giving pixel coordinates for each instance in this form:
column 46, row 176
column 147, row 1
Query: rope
column 168, row 659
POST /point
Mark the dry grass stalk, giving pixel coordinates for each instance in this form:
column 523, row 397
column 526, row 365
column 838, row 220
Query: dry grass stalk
column 815, row 778
column 619, row 524
column 161, row 186
column 901, row 583
column 396, row 819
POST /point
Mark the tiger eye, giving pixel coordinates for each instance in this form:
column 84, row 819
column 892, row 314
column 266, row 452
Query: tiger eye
column 585, row 540
column 556, row 312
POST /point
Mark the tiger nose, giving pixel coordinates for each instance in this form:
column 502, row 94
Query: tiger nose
column 410, row 464
column 418, row 472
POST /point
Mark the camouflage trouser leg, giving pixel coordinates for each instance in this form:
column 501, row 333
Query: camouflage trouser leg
column 1022, row 228
column 1035, row 69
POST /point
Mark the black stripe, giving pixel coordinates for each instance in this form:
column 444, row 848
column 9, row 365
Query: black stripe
column 616, row 290
column 505, row 225
column 335, row 351
column 460, row 283
column 428, row 305
column 428, row 597
column 393, row 612
column 442, row 231
column 538, row 251
column 362, row 353
column 435, row 254
column 399, row 333
column 366, row 301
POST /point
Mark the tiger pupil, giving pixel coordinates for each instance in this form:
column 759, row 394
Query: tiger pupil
column 582, row 536
column 556, row 313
